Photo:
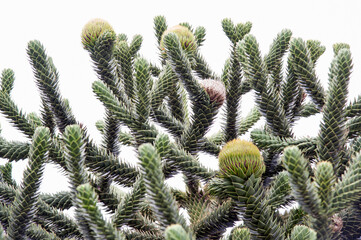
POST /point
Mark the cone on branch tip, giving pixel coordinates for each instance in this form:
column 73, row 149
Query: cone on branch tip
column 185, row 36
column 215, row 90
column 92, row 31
column 241, row 158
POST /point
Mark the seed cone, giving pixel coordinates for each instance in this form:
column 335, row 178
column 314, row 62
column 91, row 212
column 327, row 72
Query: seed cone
column 185, row 36
column 92, row 30
column 215, row 89
column 241, row 158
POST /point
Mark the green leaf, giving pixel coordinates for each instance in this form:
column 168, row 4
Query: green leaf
column 143, row 79
column 107, row 165
column 187, row 163
column 106, row 193
column 2, row 233
column 292, row 94
column 124, row 137
column 162, row 201
column 135, row 45
column 120, row 109
column 7, row 80
column 176, row 232
column 47, row 117
column 212, row 222
column 309, row 109
column 249, row 197
column 338, row 46
column 332, row 135
column 181, row 66
column 87, row 202
column 235, row 33
column 7, row 193
column 34, row 120
column 125, row 61
column 324, row 179
column 266, row 97
column 200, row 34
column 37, row 232
column 75, row 156
column 279, row 191
column 56, row 221
column 47, row 81
column 202, row 68
column 354, row 108
column 273, row 60
column 316, row 50
column 302, row 232
column 295, row 216
column 240, row 233
column 353, row 127
column 302, row 188
column 304, row 70
column 16, row 116
column 111, row 133
column 203, row 111
column 102, row 56
column 75, row 161
column 348, row 189
column 233, row 96
column 6, row 174
column 130, row 204
column 247, row 122
column 268, row 141
column 24, row 205
column 160, row 25
column 356, row 145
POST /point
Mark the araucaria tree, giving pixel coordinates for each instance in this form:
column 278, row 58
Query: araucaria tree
column 164, row 111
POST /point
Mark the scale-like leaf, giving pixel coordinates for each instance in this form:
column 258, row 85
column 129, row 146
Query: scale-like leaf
column 24, row 205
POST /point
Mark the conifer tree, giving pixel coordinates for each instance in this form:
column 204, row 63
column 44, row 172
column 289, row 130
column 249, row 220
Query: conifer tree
column 164, row 111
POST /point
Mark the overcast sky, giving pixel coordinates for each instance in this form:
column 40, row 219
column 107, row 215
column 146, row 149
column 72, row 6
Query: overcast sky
column 58, row 27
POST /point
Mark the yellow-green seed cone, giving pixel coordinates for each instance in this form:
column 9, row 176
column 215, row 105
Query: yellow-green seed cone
column 92, row 30
column 184, row 35
column 241, row 158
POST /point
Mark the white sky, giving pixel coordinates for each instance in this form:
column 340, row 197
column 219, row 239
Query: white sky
column 58, row 26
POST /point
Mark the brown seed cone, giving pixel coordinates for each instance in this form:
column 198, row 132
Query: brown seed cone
column 215, row 90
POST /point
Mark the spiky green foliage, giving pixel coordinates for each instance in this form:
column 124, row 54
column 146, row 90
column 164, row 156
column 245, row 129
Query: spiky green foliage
column 268, row 100
column 16, row 116
column 304, row 69
column 302, row 232
column 176, row 232
column 247, row 122
column 7, row 80
column 24, row 205
column 87, row 201
column 332, row 136
column 279, row 192
column 323, row 198
column 240, row 234
column 129, row 205
column 302, row 187
column 162, row 201
column 163, row 111
column 249, row 198
column 232, row 79
column 47, row 81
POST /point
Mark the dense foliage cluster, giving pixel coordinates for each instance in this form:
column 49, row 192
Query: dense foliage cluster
column 164, row 111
